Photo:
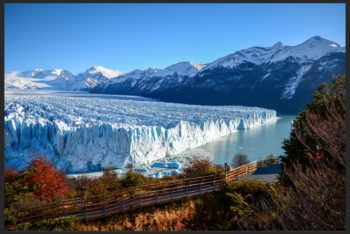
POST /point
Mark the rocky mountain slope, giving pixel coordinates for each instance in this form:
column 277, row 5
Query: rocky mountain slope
column 280, row 77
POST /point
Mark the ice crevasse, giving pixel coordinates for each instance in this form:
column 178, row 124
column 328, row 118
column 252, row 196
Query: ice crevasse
column 81, row 134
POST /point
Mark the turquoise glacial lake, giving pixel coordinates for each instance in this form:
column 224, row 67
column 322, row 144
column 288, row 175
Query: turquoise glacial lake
column 256, row 143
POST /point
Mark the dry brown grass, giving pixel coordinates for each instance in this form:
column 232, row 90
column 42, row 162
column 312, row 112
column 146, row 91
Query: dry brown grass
column 170, row 217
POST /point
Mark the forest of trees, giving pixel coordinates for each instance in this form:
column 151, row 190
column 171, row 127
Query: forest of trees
column 310, row 193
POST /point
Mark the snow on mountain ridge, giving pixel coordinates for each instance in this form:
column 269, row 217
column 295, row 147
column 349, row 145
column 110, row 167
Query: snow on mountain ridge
column 13, row 81
column 312, row 49
column 189, row 69
column 58, row 79
column 151, row 71
column 37, row 79
column 256, row 55
column 92, row 77
column 182, row 69
column 198, row 66
column 41, row 73
column 133, row 76
column 109, row 73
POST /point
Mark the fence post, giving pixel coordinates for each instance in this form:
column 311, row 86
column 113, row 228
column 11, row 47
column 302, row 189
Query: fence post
column 64, row 209
column 121, row 202
column 85, row 214
column 140, row 200
column 104, row 211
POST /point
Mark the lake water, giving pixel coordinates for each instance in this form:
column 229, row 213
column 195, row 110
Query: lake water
column 256, row 143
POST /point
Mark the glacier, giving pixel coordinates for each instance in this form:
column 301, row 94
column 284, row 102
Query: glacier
column 84, row 132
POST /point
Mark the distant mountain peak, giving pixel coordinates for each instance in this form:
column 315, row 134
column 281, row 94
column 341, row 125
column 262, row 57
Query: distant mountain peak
column 42, row 73
column 198, row 66
column 278, row 45
column 151, row 70
column 320, row 41
column 311, row 49
column 109, row 73
column 184, row 68
column 316, row 38
column 57, row 71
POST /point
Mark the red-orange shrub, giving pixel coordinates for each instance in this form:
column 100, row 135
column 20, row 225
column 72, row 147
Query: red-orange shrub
column 47, row 182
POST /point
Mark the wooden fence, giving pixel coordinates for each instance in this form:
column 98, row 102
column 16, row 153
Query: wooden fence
column 101, row 206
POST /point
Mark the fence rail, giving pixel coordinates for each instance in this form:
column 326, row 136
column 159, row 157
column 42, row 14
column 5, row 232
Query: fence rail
column 126, row 199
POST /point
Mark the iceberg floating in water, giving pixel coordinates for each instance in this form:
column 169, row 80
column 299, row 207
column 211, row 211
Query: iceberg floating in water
column 172, row 164
column 88, row 133
column 161, row 174
column 142, row 169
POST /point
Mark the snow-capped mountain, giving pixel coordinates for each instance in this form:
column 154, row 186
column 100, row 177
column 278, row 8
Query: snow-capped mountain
column 256, row 55
column 136, row 75
column 280, row 77
column 103, row 71
column 167, row 78
column 126, row 82
column 44, row 74
column 151, row 80
column 38, row 79
column 181, row 69
column 310, row 50
column 92, row 77
column 59, row 79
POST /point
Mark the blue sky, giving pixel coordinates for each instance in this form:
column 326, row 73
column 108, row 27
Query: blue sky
column 129, row 36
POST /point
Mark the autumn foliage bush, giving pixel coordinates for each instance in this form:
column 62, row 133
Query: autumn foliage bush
column 37, row 185
column 46, row 181
column 201, row 166
column 40, row 181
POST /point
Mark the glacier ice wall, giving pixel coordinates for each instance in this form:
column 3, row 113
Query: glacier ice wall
column 81, row 133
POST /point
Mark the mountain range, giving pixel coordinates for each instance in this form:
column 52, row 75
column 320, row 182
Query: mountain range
column 280, row 77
